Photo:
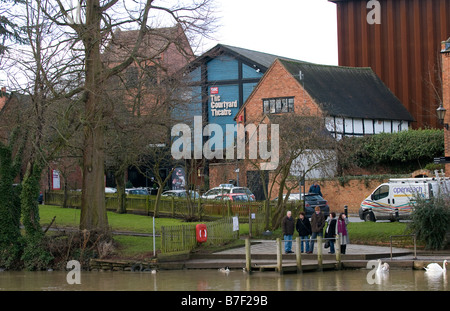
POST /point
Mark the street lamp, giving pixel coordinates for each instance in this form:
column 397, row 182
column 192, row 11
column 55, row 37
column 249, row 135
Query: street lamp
column 441, row 114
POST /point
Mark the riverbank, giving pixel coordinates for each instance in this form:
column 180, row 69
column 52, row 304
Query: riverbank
column 133, row 236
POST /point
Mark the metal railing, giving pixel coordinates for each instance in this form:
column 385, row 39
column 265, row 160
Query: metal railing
column 406, row 235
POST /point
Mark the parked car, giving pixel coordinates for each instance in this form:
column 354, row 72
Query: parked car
column 235, row 197
column 180, row 193
column 311, row 201
column 212, row 193
column 110, row 190
column 139, row 191
column 227, row 188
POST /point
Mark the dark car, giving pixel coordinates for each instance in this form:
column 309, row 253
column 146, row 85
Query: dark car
column 311, row 201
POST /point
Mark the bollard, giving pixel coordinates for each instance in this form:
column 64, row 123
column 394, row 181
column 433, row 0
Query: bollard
column 298, row 255
column 248, row 260
column 279, row 256
column 319, row 253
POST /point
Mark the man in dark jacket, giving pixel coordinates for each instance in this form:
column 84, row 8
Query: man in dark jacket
column 303, row 227
column 287, row 225
column 317, row 224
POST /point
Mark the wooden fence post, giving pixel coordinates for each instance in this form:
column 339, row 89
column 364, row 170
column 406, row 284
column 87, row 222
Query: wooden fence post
column 279, row 256
column 172, row 205
column 319, row 253
column 248, row 254
column 298, row 255
column 337, row 247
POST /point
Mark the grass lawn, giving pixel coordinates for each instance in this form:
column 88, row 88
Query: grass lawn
column 376, row 233
column 130, row 246
column 70, row 217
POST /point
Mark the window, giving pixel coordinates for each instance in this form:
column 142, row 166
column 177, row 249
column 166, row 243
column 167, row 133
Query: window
column 278, row 105
column 381, row 193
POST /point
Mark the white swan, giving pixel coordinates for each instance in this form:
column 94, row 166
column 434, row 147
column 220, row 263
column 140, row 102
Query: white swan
column 434, row 267
column 382, row 268
column 224, row 270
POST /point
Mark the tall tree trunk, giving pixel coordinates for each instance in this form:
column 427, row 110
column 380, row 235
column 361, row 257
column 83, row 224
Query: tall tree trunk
column 93, row 209
column 121, row 196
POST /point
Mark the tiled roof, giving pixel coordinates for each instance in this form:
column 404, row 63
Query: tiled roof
column 260, row 60
column 353, row 92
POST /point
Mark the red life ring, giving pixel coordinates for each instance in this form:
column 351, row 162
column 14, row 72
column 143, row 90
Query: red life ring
column 201, row 233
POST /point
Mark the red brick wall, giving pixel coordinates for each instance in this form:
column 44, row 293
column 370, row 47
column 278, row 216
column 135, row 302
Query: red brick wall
column 277, row 82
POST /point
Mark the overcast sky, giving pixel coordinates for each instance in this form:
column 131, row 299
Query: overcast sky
column 300, row 29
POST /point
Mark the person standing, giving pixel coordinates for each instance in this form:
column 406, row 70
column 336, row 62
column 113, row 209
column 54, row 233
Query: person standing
column 317, row 224
column 343, row 232
column 288, row 226
column 330, row 232
column 315, row 188
column 303, row 227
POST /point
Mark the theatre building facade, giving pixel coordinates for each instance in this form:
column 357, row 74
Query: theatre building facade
column 353, row 101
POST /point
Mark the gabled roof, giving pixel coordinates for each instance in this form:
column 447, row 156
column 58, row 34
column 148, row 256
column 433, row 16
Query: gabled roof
column 353, row 92
column 255, row 59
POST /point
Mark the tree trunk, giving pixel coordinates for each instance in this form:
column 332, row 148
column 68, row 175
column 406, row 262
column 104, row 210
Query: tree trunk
column 93, row 209
column 157, row 200
column 121, row 196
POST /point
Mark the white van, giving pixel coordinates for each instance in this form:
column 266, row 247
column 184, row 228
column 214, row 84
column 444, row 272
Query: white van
column 394, row 200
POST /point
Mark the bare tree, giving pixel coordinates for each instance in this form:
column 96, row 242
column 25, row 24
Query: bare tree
column 90, row 32
column 304, row 145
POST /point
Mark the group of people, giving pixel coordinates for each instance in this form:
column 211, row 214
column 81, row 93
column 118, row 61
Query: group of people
column 313, row 229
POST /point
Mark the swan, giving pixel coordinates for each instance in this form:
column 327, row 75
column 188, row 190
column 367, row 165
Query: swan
column 382, row 267
column 225, row 270
column 434, row 267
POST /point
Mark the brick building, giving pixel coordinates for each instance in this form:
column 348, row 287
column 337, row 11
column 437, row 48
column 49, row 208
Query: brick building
column 353, row 101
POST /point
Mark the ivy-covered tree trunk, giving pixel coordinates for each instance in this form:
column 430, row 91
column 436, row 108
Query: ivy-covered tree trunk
column 35, row 256
column 10, row 237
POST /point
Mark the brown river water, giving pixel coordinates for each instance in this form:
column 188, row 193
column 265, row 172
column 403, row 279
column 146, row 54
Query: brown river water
column 215, row 280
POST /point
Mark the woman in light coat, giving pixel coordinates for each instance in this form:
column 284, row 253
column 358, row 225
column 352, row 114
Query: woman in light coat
column 341, row 229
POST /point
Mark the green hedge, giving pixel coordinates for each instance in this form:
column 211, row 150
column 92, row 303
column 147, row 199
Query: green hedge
column 399, row 152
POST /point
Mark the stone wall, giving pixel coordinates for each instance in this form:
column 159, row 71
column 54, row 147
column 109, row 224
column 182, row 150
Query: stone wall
column 349, row 192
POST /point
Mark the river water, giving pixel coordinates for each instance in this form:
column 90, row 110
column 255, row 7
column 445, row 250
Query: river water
column 214, row 280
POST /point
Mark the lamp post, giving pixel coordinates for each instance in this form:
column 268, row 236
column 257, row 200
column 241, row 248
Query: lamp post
column 441, row 115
